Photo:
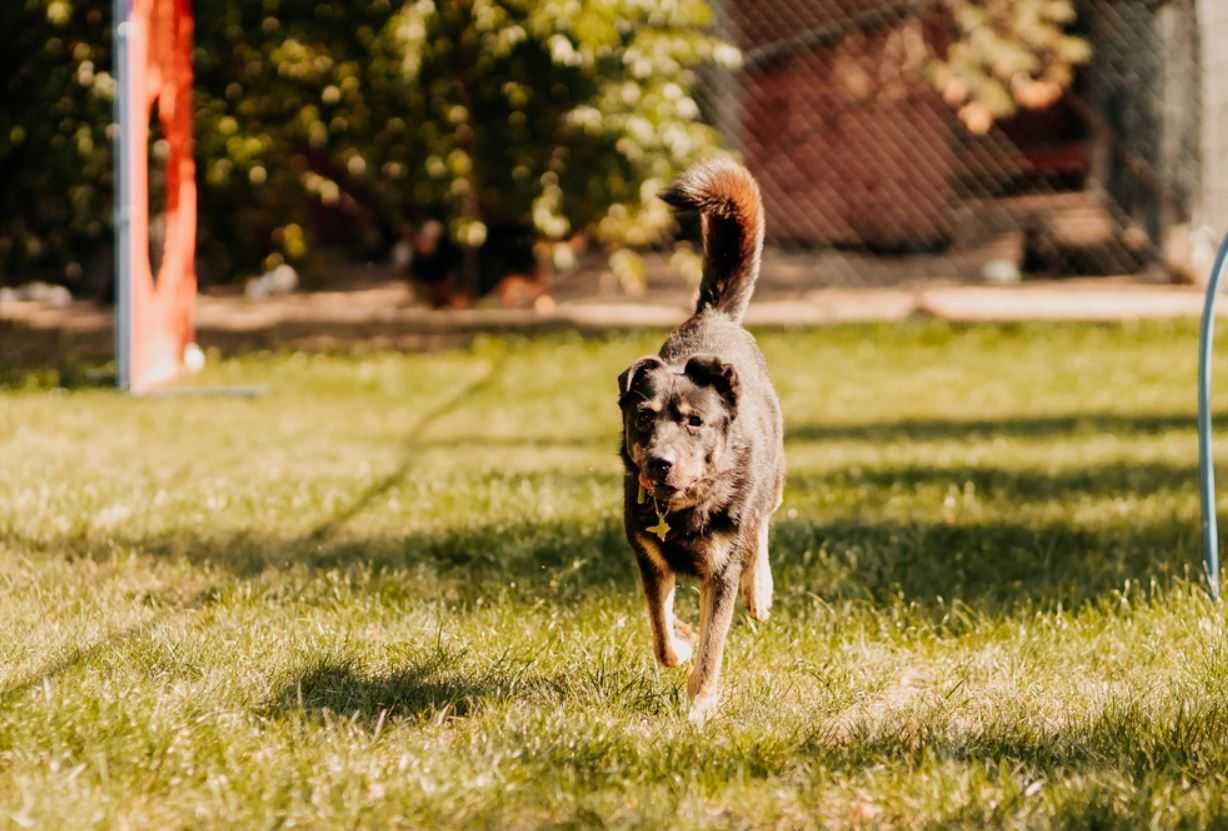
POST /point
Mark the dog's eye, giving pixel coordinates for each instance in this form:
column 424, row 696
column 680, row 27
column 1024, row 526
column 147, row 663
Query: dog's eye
column 643, row 419
column 695, row 421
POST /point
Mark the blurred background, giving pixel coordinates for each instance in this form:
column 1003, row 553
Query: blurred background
column 496, row 151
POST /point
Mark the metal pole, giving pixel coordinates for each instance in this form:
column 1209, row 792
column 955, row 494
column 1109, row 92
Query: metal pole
column 123, row 200
column 1210, row 534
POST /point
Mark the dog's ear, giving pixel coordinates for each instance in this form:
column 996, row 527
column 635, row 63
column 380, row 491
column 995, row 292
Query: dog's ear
column 711, row 371
column 626, row 380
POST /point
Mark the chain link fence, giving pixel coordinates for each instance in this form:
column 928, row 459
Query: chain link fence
column 1213, row 24
column 870, row 177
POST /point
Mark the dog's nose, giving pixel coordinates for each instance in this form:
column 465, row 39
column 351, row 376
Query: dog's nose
column 659, row 466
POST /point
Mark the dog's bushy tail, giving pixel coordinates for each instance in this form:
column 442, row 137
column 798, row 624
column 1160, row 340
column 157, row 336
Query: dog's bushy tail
column 731, row 212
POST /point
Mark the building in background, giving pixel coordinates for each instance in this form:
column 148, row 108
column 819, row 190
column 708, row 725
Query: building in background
column 857, row 151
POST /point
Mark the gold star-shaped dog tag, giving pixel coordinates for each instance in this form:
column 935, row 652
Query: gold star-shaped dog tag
column 661, row 528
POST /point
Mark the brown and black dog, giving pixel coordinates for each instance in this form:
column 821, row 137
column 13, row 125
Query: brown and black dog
column 702, row 441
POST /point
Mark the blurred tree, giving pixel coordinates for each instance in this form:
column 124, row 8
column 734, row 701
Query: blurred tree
column 55, row 146
column 340, row 124
column 564, row 116
column 287, row 100
column 1008, row 54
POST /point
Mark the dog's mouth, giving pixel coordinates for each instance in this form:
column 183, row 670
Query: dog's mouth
column 662, row 492
column 658, row 489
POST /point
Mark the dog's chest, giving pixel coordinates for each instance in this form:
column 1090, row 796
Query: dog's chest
column 685, row 549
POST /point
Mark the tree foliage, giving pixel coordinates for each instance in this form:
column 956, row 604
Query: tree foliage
column 341, row 123
column 1008, row 54
column 333, row 124
column 55, row 136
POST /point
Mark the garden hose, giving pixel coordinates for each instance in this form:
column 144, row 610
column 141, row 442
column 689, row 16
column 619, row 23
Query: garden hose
column 1210, row 536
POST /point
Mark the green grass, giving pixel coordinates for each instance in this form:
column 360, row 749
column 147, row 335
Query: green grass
column 394, row 592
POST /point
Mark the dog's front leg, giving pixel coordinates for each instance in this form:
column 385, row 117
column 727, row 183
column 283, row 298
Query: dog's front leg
column 670, row 637
column 717, row 595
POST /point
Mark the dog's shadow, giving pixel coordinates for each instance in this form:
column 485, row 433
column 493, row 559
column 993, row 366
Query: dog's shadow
column 423, row 690
column 441, row 684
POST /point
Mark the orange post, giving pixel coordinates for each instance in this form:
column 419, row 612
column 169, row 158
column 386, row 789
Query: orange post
column 156, row 313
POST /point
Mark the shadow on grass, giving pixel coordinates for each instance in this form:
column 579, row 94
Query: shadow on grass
column 441, row 683
column 410, row 451
column 1017, row 427
column 46, row 358
column 80, row 655
column 560, row 557
column 986, row 559
column 888, row 431
column 993, row 566
column 1028, row 485
column 419, row 691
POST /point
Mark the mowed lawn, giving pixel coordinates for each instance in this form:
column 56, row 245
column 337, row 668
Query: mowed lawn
column 394, row 591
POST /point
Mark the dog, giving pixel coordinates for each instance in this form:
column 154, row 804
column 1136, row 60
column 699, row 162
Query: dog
column 702, row 441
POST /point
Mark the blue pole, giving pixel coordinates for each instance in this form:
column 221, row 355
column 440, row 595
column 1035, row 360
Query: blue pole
column 1210, row 535
column 123, row 201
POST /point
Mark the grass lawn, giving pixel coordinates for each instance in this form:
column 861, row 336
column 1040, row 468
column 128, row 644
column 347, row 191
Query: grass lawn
column 394, row 592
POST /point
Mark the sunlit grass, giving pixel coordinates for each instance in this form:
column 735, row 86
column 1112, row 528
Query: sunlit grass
column 394, row 592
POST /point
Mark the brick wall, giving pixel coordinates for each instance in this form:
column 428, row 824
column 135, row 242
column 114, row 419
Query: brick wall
column 850, row 146
column 844, row 159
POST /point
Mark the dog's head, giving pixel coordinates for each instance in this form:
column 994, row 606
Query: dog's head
column 676, row 424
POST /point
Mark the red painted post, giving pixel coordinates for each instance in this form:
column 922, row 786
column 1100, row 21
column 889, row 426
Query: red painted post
column 158, row 324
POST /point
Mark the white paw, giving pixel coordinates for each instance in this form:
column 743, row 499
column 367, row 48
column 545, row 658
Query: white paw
column 702, row 709
column 757, row 590
column 677, row 653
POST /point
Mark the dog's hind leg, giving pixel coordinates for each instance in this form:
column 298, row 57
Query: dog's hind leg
column 757, row 577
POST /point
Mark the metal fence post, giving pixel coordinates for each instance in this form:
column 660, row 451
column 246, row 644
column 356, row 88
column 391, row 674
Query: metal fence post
column 123, row 201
